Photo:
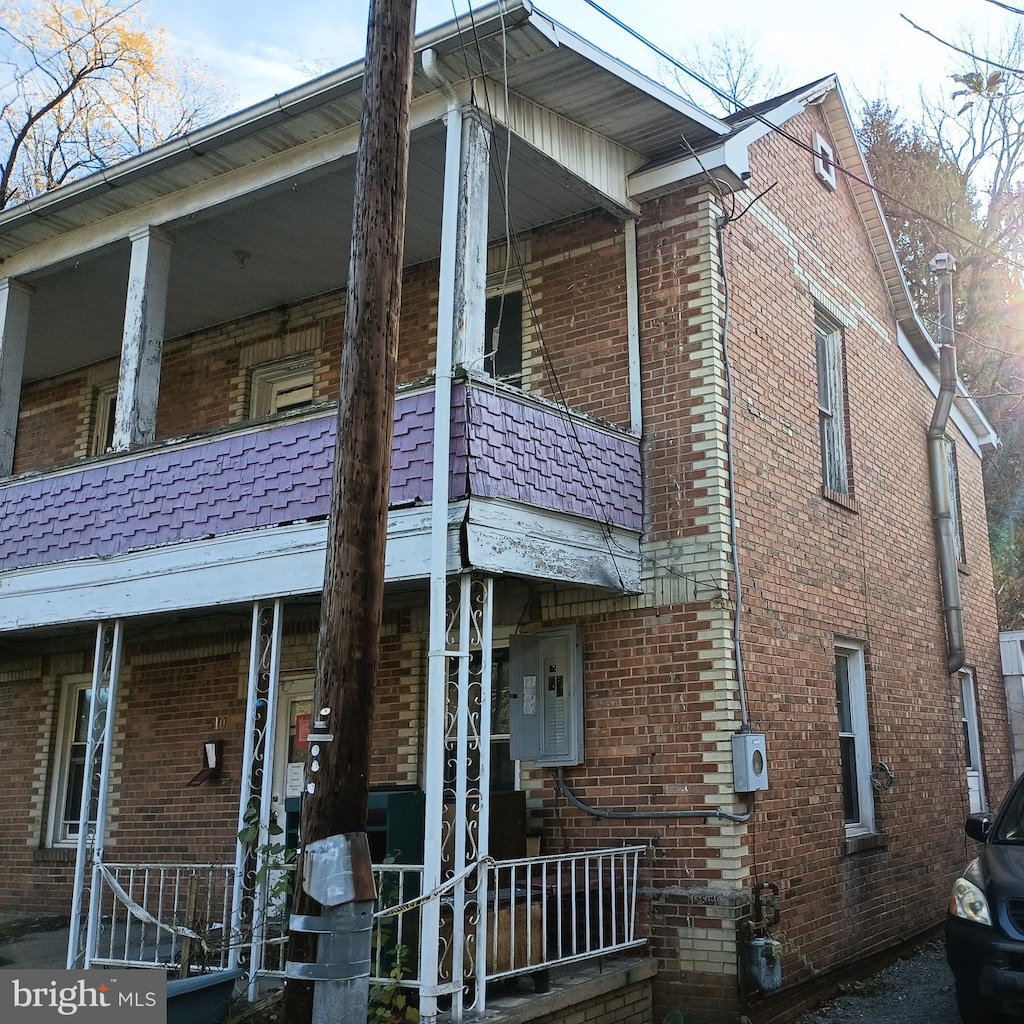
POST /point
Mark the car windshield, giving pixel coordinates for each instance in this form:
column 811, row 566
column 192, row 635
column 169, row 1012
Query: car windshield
column 1010, row 823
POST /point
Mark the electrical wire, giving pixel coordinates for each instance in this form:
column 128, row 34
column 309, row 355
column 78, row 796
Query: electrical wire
column 512, row 236
column 730, row 450
column 514, row 249
column 793, row 140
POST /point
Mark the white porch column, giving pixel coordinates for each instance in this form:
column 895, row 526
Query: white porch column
column 138, row 387
column 470, row 286
column 249, row 897
column 437, row 661
column 14, row 305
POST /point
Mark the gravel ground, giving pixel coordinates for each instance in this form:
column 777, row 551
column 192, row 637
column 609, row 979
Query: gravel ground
column 915, row 990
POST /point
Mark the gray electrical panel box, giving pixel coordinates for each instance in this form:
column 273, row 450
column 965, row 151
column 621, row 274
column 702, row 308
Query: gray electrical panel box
column 546, row 697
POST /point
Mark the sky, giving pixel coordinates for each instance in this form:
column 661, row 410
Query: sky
column 261, row 47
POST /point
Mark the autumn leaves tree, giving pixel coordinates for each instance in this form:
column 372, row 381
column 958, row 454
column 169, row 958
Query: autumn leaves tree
column 84, row 84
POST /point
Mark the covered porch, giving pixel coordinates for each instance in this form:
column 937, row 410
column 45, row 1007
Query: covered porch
column 510, row 915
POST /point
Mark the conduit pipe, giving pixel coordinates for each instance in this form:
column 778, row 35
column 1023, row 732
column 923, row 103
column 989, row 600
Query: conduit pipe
column 693, row 812
column 943, row 265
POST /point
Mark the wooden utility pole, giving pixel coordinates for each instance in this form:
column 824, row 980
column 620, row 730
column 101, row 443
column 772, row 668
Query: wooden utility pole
column 353, row 596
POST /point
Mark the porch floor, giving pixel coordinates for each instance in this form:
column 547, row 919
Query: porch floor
column 40, row 941
column 585, row 984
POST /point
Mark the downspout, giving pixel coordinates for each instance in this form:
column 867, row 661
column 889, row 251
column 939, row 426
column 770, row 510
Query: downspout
column 636, row 419
column 943, row 266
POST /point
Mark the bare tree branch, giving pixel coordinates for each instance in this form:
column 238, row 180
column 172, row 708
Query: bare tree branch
column 1007, row 7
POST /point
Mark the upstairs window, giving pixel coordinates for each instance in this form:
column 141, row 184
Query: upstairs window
column 953, row 479
column 503, row 337
column 832, row 419
column 103, row 413
column 281, row 387
column 824, row 162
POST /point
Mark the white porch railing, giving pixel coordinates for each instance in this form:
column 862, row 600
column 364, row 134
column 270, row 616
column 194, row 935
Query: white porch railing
column 541, row 912
column 183, row 898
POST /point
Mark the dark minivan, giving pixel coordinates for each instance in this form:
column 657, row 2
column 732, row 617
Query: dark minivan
column 985, row 922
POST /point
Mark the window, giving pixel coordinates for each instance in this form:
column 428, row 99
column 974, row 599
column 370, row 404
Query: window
column 953, row 476
column 281, row 387
column 972, row 742
column 503, row 774
column 503, row 768
column 828, row 338
column 70, row 764
column 503, row 337
column 854, row 746
column 104, row 409
column 824, row 162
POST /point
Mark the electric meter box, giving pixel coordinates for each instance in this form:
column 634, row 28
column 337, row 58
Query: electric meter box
column 545, row 690
column 749, row 762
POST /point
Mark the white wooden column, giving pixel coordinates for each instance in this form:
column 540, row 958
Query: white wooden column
column 470, row 294
column 14, row 306
column 138, row 387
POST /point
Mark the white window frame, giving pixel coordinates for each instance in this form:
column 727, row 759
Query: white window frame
column 279, row 387
column 955, row 510
column 832, row 417
column 855, row 728
column 972, row 742
column 104, row 412
column 824, row 162
column 62, row 831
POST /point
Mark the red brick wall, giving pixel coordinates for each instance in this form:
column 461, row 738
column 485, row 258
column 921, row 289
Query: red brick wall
column 25, row 882
column 815, row 571
column 580, row 304
column 49, row 421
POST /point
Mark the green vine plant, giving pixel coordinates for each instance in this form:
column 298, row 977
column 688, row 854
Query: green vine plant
column 276, row 859
column 389, row 1003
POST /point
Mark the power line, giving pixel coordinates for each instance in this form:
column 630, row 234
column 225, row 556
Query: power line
column 1006, row 7
column 514, row 248
column 960, row 50
column 755, row 115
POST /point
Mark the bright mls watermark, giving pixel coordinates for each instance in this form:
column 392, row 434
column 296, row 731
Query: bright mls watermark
column 115, row 997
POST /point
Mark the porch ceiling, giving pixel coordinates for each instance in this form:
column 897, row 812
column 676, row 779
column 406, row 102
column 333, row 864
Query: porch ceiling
column 285, row 243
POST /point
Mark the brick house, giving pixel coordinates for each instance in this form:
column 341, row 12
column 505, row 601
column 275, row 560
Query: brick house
column 560, row 613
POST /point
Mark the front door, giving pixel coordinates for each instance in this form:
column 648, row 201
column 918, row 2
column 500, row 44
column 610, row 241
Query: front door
column 294, row 714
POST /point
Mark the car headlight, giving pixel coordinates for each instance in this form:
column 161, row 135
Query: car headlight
column 968, row 902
